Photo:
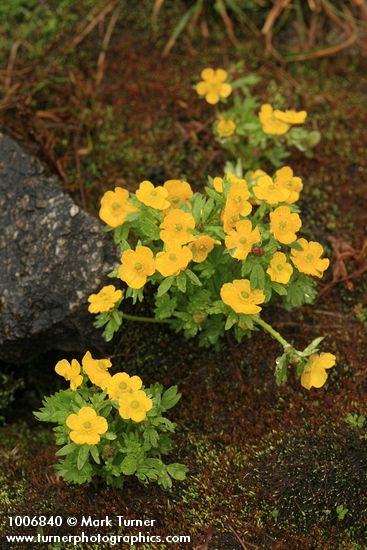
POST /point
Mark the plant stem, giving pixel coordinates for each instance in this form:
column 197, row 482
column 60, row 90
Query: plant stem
column 275, row 334
column 143, row 319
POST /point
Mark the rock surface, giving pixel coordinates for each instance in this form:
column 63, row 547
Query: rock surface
column 52, row 256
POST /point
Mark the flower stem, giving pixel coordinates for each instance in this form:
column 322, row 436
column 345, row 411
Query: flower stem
column 143, row 319
column 268, row 328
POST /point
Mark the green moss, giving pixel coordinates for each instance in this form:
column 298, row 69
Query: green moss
column 306, row 478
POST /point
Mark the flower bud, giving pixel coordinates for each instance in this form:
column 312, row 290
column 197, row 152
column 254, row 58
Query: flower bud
column 258, row 251
column 199, row 317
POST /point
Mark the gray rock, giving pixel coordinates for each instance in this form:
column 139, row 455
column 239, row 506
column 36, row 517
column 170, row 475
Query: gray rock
column 52, row 256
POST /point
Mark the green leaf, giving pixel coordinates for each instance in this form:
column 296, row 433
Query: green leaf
column 151, row 437
column 67, row 449
column 82, row 456
column 165, row 306
column 295, row 245
column 165, row 286
column 95, row 454
column 246, row 321
column 150, row 229
column 109, row 435
column 281, row 369
column 231, row 320
column 117, row 317
column 193, row 278
column 207, row 210
column 279, row 289
column 177, row 471
column 311, row 348
column 129, row 465
column 170, row 398
column 215, row 196
column 197, row 206
column 257, row 276
column 181, row 282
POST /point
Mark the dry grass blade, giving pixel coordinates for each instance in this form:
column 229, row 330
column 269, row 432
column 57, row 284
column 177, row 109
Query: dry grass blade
column 156, row 9
column 273, row 15
column 88, row 29
column 11, row 63
column 346, row 23
column 244, row 544
column 183, row 22
column 267, row 29
column 349, row 29
column 227, row 21
column 105, row 44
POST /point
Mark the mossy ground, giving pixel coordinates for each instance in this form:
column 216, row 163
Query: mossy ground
column 268, row 466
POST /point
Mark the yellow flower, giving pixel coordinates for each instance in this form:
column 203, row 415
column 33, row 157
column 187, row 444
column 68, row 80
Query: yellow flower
column 284, row 224
column 173, row 260
column 201, row 247
column 314, row 374
column 236, row 204
column 270, row 124
column 290, row 116
column 255, row 174
column 177, row 228
column 240, row 240
column 278, row 122
column 270, row 191
column 231, row 178
column 225, row 128
column 213, row 85
column 156, row 197
column 179, row 192
column 115, row 207
column 70, row 371
column 241, row 298
column 134, row 406
column 87, row 427
column 284, row 179
column 137, row 266
column 218, row 184
column 96, row 370
column 308, row 260
column 121, row 383
column 105, row 300
column 279, row 269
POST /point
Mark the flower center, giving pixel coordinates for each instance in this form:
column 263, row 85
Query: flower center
column 135, row 404
column 279, row 267
column 237, row 199
column 116, row 206
column 172, row 257
column 202, row 247
column 87, row 425
column 271, row 187
column 154, row 193
column 282, row 225
column 179, row 227
column 214, row 87
column 245, row 295
column 122, row 386
column 175, row 200
column 138, row 266
column 243, row 240
column 309, row 258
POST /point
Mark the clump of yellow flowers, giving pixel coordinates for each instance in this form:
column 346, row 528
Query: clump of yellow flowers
column 215, row 259
column 247, row 129
column 109, row 424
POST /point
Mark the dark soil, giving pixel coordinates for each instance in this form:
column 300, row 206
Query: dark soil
column 268, row 466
